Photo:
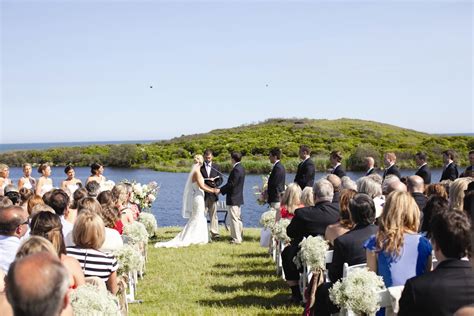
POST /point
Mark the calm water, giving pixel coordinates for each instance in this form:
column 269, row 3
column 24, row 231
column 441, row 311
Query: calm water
column 34, row 146
column 167, row 207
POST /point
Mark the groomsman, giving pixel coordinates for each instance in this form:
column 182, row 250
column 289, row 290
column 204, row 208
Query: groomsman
column 450, row 171
column 306, row 171
column 235, row 198
column 370, row 165
column 276, row 181
column 469, row 172
column 335, row 158
column 389, row 160
column 423, row 169
column 212, row 177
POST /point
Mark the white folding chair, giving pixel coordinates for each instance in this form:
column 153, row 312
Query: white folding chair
column 348, row 269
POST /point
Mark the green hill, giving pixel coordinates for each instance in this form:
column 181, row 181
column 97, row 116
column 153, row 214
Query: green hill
column 354, row 138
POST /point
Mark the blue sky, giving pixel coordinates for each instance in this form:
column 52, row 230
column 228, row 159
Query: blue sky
column 82, row 70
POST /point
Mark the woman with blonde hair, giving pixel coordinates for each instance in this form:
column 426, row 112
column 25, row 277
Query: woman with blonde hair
column 89, row 235
column 345, row 221
column 27, row 181
column 290, row 201
column 35, row 244
column 456, row 193
column 4, row 180
column 307, row 196
column 120, row 196
column 397, row 252
column 45, row 183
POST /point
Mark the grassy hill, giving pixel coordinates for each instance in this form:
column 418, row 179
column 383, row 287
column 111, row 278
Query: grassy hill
column 354, row 138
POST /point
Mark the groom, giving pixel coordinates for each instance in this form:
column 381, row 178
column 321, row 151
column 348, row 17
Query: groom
column 212, row 177
column 235, row 198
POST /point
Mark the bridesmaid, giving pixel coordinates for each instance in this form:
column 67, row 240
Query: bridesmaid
column 45, row 183
column 97, row 171
column 71, row 184
column 27, row 181
column 4, row 180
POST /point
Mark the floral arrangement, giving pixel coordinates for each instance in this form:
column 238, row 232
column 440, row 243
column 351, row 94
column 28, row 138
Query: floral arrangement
column 143, row 194
column 149, row 221
column 135, row 233
column 261, row 192
column 107, row 185
column 312, row 253
column 129, row 259
column 279, row 230
column 88, row 299
column 358, row 292
column 267, row 219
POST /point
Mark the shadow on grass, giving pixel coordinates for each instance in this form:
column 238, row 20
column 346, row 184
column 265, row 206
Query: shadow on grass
column 249, row 300
column 254, row 272
column 251, row 286
column 252, row 255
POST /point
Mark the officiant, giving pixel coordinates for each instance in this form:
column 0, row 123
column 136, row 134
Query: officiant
column 213, row 178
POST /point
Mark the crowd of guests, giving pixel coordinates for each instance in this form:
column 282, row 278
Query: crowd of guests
column 70, row 232
column 400, row 227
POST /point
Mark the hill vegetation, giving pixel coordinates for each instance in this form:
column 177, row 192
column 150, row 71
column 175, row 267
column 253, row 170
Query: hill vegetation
column 354, row 138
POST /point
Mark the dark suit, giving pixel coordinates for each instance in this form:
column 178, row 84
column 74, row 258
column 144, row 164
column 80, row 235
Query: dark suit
column 308, row 221
column 392, row 170
column 450, row 172
column 370, row 171
column 276, row 182
column 425, row 173
column 210, row 198
column 305, row 174
column 439, row 292
column 233, row 190
column 420, row 200
column 339, row 171
column 467, row 171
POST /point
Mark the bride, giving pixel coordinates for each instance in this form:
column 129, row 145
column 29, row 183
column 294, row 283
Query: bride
column 195, row 231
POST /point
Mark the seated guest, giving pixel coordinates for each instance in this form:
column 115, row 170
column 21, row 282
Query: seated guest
column 44, row 292
column 307, row 198
column 93, row 188
column 4, row 305
column 12, row 193
column 423, row 170
column 308, row 221
column 451, row 285
column 348, row 183
column 372, row 186
column 59, row 201
column 336, row 184
column 345, row 222
column 88, row 237
column 397, row 252
column 86, row 204
column 78, row 195
column 113, row 241
column 348, row 248
column 48, row 225
column 25, row 195
column 434, row 205
column 469, row 172
column 416, row 187
column 121, row 196
column 436, row 189
column 390, row 168
column 457, row 191
column 335, row 159
column 391, row 184
column 450, row 170
column 32, row 202
column 290, row 201
column 13, row 226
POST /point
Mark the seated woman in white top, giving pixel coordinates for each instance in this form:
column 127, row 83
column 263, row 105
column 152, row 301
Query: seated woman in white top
column 45, row 183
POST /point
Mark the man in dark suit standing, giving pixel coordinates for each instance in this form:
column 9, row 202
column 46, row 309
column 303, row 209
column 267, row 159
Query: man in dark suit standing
column 212, row 177
column 308, row 221
column 276, row 181
column 234, row 191
column 335, row 158
column 469, row 172
column 450, row 171
column 451, row 285
column 423, row 169
column 370, row 166
column 389, row 160
column 306, row 171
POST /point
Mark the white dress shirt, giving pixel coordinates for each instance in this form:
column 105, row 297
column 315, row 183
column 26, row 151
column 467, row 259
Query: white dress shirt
column 8, row 247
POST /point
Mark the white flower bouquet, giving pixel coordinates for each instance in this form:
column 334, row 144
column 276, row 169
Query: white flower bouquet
column 149, row 221
column 107, row 186
column 135, row 233
column 267, row 219
column 279, row 230
column 261, row 192
column 143, row 194
column 88, row 299
column 129, row 259
column 312, row 253
column 358, row 292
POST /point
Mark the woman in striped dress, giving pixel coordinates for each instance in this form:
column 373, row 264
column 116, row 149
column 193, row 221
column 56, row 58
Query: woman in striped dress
column 88, row 236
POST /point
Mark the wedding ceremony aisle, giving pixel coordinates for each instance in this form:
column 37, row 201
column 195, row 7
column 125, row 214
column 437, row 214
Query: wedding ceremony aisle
column 213, row 279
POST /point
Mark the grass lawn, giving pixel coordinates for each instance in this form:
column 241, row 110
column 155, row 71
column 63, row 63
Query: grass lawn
column 214, row 279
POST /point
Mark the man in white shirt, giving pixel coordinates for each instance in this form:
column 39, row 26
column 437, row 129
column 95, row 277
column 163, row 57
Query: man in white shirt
column 59, row 201
column 13, row 225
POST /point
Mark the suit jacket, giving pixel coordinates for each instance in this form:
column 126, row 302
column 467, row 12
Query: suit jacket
column 305, row 174
column 312, row 221
column 468, row 169
column 425, row 173
column 420, row 200
column 276, row 183
column 339, row 171
column 370, row 171
column 215, row 171
column 350, row 248
column 440, row 292
column 392, row 170
column 234, row 187
column 450, row 172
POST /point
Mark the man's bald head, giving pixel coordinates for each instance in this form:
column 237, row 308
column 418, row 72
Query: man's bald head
column 415, row 184
column 370, row 162
column 335, row 181
column 12, row 220
column 43, row 292
column 396, row 185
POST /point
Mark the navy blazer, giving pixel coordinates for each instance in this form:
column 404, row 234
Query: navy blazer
column 425, row 173
column 234, row 188
column 392, row 170
column 276, row 183
column 370, row 171
column 339, row 171
column 450, row 172
column 305, row 174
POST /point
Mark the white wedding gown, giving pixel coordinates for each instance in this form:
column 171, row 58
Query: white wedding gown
column 195, row 231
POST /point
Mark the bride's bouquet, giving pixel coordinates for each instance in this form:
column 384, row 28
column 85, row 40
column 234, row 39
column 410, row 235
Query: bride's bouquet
column 144, row 194
column 261, row 192
column 358, row 292
column 312, row 253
